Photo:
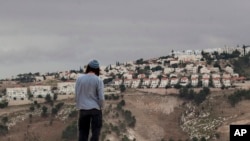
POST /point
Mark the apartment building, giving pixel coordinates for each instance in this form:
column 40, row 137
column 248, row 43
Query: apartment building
column 17, row 93
column 66, row 87
column 40, row 90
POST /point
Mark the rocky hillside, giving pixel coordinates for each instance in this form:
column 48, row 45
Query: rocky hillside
column 133, row 115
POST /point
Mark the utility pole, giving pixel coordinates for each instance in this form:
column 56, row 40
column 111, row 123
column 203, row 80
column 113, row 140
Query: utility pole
column 244, row 48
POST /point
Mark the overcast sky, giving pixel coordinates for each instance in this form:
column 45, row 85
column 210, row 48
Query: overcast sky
column 57, row 35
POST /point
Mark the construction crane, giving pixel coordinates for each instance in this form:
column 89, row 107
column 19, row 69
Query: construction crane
column 244, row 48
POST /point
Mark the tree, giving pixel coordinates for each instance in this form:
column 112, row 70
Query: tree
column 139, row 61
column 3, row 129
column 30, row 95
column 201, row 96
column 217, row 65
column 183, row 92
column 174, row 65
column 5, row 119
column 4, row 104
column 122, row 88
column 157, row 68
column 44, row 111
column 55, row 97
column 194, row 139
column 203, row 139
column 59, row 105
column 32, row 108
column 125, row 138
column 48, row 98
column 30, row 118
column 236, row 53
column 73, row 114
column 54, row 111
column 206, row 90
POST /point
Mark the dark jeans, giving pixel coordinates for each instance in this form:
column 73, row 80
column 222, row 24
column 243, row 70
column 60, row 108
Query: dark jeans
column 89, row 118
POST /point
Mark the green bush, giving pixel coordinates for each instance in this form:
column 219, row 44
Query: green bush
column 3, row 104
column 70, row 133
column 238, row 96
column 3, row 129
column 59, row 105
column 190, row 94
column 73, row 114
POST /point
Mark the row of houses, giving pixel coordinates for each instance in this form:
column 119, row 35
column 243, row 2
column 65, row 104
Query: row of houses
column 39, row 91
column 205, row 80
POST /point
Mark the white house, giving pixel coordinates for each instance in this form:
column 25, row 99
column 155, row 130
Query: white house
column 153, row 75
column 64, row 75
column 66, row 87
column 204, row 70
column 226, row 82
column 73, row 75
column 189, row 67
column 205, row 82
column 235, row 75
column 168, row 70
column 127, row 82
column 195, row 69
column 194, row 81
column 217, row 82
column 154, row 82
column 178, row 70
column 206, row 76
column 226, row 75
column 128, row 75
column 141, row 76
column 215, row 69
column 164, row 82
column 184, row 81
column 39, row 78
column 50, row 77
column 173, row 75
column 174, row 62
column 174, row 81
column 135, row 83
column 194, row 76
column 229, row 69
column 146, row 82
column 17, row 93
column 117, row 82
column 216, row 75
column 40, row 90
column 189, row 57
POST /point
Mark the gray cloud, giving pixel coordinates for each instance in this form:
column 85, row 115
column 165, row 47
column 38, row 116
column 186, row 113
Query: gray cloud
column 54, row 35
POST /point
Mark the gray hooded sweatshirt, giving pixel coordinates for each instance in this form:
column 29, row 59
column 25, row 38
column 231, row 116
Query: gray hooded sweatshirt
column 89, row 92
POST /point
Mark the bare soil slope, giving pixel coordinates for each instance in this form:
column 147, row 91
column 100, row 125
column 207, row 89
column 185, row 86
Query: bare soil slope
column 157, row 116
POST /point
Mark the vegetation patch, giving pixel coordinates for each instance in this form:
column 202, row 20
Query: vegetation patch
column 238, row 95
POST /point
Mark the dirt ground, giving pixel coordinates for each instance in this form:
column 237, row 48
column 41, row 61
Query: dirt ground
column 38, row 130
column 157, row 116
column 238, row 115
